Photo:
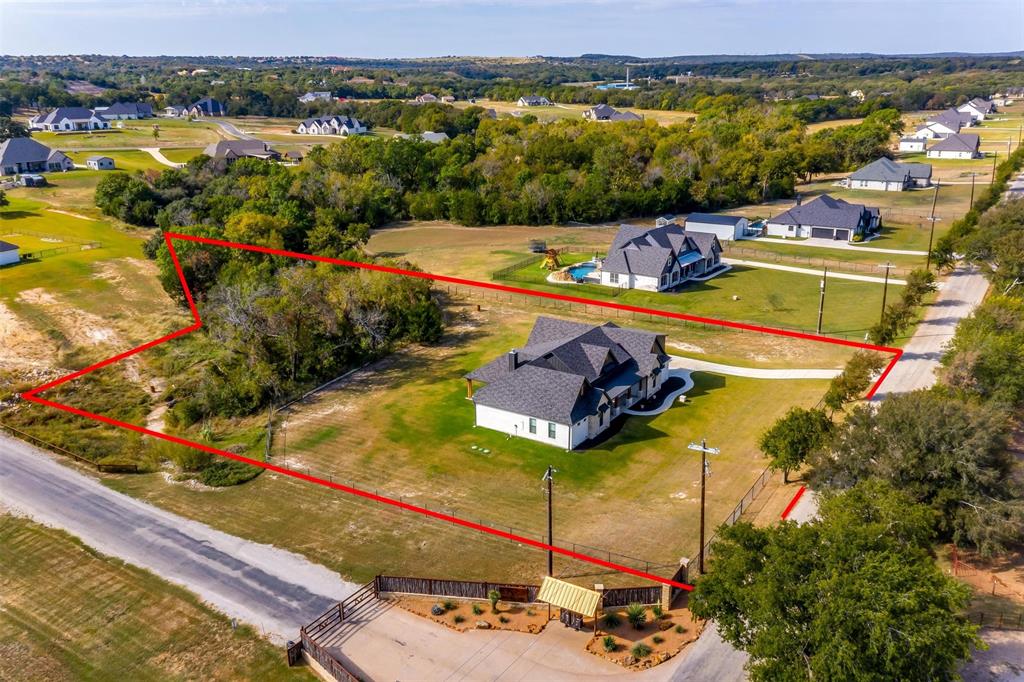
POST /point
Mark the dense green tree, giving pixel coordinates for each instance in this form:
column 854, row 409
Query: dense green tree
column 855, row 379
column 986, row 355
column 853, row 595
column 948, row 454
column 10, row 128
column 794, row 437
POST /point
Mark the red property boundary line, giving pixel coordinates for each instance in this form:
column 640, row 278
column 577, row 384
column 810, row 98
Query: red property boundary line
column 792, row 503
column 169, row 237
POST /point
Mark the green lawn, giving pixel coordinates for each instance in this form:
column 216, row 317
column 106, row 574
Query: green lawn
column 790, row 252
column 70, row 613
column 123, row 160
column 406, row 429
column 173, row 133
column 766, row 297
column 182, row 155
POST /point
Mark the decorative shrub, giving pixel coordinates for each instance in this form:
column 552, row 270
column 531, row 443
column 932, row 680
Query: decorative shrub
column 657, row 611
column 502, row 619
column 448, row 604
column 640, row 650
column 609, row 644
column 657, row 640
column 494, row 596
column 459, row 618
column 680, row 629
column 531, row 612
column 477, row 609
column 637, row 615
column 612, row 620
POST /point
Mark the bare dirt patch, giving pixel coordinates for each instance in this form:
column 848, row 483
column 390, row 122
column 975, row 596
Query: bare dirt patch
column 80, row 328
column 20, row 344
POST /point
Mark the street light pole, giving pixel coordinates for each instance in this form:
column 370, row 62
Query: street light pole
column 705, row 471
column 549, row 476
column 821, row 301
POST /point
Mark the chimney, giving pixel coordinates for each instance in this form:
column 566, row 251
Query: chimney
column 513, row 360
column 799, row 199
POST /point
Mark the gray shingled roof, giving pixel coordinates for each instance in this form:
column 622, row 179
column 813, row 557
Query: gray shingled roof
column 887, row 170
column 225, row 148
column 137, row 108
column 825, row 211
column 7, row 246
column 713, row 219
column 983, row 105
column 210, row 106
column 964, row 142
column 566, row 367
column 98, row 158
column 22, row 150
column 73, row 113
column 651, row 252
column 951, row 118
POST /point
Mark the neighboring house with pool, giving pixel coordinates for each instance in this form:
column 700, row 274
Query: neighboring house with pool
column 659, row 258
column 569, row 381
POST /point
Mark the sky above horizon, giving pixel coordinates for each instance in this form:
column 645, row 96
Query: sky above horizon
column 424, row 28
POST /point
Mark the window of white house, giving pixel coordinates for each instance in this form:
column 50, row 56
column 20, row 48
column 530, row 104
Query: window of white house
column 551, row 429
column 790, row 228
column 613, row 277
column 533, row 425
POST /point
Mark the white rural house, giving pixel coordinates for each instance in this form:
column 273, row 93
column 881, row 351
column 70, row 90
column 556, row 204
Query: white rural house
column 962, row 146
column 726, row 227
column 913, row 144
column 426, row 98
column 318, row 96
column 533, row 101
column 207, row 106
column 977, row 108
column 826, row 218
column 331, row 125
column 9, row 253
column 569, row 382
column 25, row 155
column 69, row 118
column 100, row 163
column 659, row 258
column 603, row 112
column 890, row 176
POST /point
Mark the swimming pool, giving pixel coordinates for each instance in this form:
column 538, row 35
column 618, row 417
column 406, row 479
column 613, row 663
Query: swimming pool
column 582, row 270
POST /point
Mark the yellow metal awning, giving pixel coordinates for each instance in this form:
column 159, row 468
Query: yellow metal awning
column 569, row 597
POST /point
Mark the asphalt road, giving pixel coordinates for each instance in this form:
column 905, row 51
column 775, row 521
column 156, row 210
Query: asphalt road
column 961, row 292
column 275, row 590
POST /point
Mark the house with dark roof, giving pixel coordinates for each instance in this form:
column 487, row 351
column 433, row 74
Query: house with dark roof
column 533, row 101
column 317, row 96
column 944, row 124
column 890, row 176
column 603, row 112
column 978, row 108
column 124, row 111
column 962, row 146
column 207, row 106
column 826, row 217
column 237, row 149
column 725, row 227
column 63, row 119
column 659, row 258
column 570, row 380
column 9, row 253
column 24, row 155
column 331, row 125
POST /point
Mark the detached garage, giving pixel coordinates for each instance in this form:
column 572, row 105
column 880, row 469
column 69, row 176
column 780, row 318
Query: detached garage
column 725, row 227
column 100, row 163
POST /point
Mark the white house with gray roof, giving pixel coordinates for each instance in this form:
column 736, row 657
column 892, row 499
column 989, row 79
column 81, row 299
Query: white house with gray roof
column 826, row 217
column 569, row 382
column 125, row 111
column 725, row 227
column 658, row 258
column 603, row 112
column 533, row 101
column 331, row 125
column 977, row 108
column 63, row 119
column 962, row 146
column 890, row 176
column 25, row 155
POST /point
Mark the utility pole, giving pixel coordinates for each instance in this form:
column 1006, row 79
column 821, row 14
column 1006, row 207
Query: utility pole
column 973, row 174
column 885, row 287
column 549, row 476
column 705, row 471
column 931, row 235
column 995, row 155
column 821, row 301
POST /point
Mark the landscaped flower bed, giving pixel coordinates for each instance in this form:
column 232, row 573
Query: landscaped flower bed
column 463, row 615
column 660, row 635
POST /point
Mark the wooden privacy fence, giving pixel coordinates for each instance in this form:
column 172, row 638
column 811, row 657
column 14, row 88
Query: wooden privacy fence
column 624, row 596
column 465, row 589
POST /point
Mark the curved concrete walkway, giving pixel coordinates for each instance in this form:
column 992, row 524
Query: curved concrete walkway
column 677, row 362
column 812, row 271
column 683, row 374
column 159, row 156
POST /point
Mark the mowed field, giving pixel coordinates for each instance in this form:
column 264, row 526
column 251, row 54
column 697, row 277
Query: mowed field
column 124, row 160
column 174, row 132
column 573, row 111
column 404, row 428
column 69, row 613
column 762, row 296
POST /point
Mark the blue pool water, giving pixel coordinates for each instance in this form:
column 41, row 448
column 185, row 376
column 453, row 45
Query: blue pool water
column 581, row 270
